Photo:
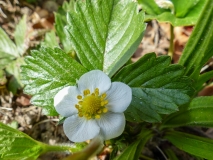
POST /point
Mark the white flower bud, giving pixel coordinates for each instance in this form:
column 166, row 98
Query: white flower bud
column 165, row 4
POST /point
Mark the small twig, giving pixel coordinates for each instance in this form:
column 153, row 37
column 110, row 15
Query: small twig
column 171, row 47
column 29, row 108
column 46, row 120
column 156, row 36
column 39, row 114
column 9, row 109
column 2, row 13
column 206, row 67
column 16, row 2
column 3, row 3
column 8, row 2
column 161, row 152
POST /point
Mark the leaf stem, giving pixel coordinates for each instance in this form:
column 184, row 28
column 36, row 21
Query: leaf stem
column 94, row 147
column 145, row 157
column 171, row 47
column 57, row 148
column 49, row 148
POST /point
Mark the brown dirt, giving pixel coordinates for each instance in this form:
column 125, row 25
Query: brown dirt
column 16, row 110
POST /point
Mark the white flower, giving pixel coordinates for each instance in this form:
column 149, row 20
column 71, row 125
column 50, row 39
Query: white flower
column 94, row 107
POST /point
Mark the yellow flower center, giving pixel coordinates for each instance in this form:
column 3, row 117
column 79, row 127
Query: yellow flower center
column 91, row 105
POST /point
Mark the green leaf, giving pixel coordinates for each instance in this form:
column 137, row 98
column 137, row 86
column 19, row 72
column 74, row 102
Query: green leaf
column 20, row 35
column 105, row 34
column 7, row 47
column 46, row 72
column 50, row 40
column 133, row 151
column 5, row 59
column 60, row 22
column 186, row 12
column 13, row 70
column 68, row 6
column 157, row 87
column 202, row 147
column 13, row 124
column 198, row 113
column 199, row 46
column 170, row 154
column 3, row 79
column 17, row 145
column 202, row 79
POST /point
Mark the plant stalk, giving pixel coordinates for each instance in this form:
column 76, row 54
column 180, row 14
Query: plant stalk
column 57, row 148
column 171, row 47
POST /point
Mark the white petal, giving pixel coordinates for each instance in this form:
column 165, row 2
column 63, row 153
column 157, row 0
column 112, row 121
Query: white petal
column 94, row 79
column 111, row 124
column 79, row 129
column 65, row 100
column 119, row 97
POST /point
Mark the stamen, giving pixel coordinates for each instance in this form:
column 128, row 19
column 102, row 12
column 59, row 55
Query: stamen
column 105, row 110
column 103, row 95
column 80, row 114
column 88, row 117
column 80, row 102
column 105, row 102
column 96, row 91
column 79, row 97
column 77, row 106
column 86, row 92
column 102, row 103
column 97, row 116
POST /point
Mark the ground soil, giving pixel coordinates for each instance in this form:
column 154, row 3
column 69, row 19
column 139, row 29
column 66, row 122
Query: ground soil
column 17, row 111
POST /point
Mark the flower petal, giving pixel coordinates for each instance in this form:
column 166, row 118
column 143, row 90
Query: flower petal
column 79, row 129
column 65, row 100
column 94, row 79
column 119, row 97
column 111, row 124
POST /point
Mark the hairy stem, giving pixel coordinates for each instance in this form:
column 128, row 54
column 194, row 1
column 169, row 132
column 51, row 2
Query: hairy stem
column 171, row 47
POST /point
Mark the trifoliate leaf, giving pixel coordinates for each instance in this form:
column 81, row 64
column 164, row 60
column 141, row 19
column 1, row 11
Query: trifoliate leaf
column 105, row 34
column 185, row 13
column 60, row 22
column 46, row 72
column 8, row 50
column 5, row 59
column 13, row 70
column 7, row 46
column 157, row 87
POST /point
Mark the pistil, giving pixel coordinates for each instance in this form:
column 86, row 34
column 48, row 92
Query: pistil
column 91, row 105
